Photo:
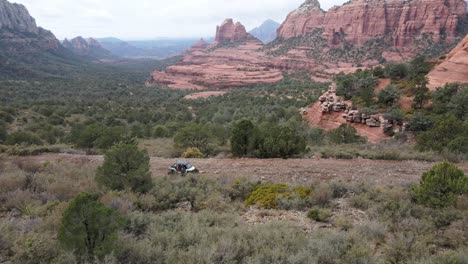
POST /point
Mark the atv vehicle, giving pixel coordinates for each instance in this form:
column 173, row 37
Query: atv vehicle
column 182, row 167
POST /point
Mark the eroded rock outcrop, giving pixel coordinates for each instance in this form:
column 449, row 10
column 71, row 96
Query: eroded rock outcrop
column 361, row 20
column 233, row 60
column 230, row 32
column 453, row 69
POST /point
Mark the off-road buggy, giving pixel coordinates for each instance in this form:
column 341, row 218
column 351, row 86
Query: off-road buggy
column 182, row 167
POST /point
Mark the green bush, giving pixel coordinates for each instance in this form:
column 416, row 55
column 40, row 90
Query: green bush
column 279, row 142
column 243, row 138
column 319, row 214
column 345, row 134
column 266, row 196
column 3, row 132
column 447, row 132
column 88, row 228
column 388, row 96
column 23, row 138
column 420, row 122
column 160, row 132
column 194, row 136
column 193, row 153
column 125, row 167
column 440, row 186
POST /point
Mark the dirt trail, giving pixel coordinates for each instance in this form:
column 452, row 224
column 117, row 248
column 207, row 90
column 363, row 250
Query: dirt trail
column 293, row 171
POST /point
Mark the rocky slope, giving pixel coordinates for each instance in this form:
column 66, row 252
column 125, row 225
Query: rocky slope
column 26, row 50
column 359, row 21
column 88, row 48
column 19, row 32
column 233, row 60
column 266, row 32
column 453, row 69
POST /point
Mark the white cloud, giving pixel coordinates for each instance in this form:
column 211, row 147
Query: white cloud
column 147, row 19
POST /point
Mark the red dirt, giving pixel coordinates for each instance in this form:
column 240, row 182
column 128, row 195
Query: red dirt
column 200, row 95
column 383, row 83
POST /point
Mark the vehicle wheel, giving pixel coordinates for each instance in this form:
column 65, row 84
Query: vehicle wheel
column 196, row 171
column 171, row 172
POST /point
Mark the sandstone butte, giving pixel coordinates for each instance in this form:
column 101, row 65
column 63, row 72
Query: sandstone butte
column 233, row 60
column 453, row 69
column 361, row 20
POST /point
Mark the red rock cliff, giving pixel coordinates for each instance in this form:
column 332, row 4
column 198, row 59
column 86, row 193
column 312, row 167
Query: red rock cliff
column 361, row 20
column 453, row 69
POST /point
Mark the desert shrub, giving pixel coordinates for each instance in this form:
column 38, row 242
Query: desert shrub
column 396, row 71
column 395, row 115
column 194, row 136
column 95, row 136
column 345, row 134
column 160, row 132
column 373, row 231
column 388, row 96
column 23, row 138
column 89, row 228
column 241, row 189
column 279, row 142
column 360, row 201
column 37, row 248
column 358, row 86
column 243, row 138
column 343, row 223
column 3, row 132
column 440, row 186
column 193, row 153
column 420, row 122
column 125, row 167
column 266, row 196
column 322, row 195
column 448, row 131
column 338, row 189
column 378, row 72
column 168, row 193
column 319, row 214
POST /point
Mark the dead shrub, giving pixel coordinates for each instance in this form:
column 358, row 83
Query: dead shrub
column 322, row 195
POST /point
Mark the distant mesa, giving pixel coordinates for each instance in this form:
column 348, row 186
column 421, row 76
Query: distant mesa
column 454, row 68
column 266, row 32
column 89, row 48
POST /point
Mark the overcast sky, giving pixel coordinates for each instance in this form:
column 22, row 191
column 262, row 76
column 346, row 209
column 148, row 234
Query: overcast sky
column 149, row 19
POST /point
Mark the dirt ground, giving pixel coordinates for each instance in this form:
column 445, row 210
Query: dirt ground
column 207, row 94
column 292, row 171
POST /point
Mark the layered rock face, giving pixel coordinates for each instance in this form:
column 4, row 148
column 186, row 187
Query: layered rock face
column 453, row 69
column 219, row 66
column 230, row 32
column 361, row 20
column 19, row 33
column 86, row 48
column 200, row 45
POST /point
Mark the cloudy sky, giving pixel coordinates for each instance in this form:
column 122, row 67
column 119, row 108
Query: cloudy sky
column 149, row 19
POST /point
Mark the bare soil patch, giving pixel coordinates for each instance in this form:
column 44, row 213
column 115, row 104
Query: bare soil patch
column 292, row 171
column 201, row 95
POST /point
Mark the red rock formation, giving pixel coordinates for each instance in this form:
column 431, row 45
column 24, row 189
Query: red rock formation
column 453, row 69
column 221, row 67
column 200, row 45
column 361, row 20
column 230, row 32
